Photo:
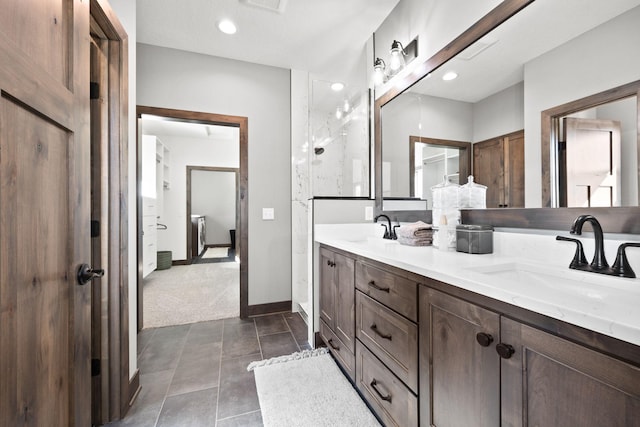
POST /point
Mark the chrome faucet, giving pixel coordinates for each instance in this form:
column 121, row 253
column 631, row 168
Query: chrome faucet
column 389, row 231
column 599, row 262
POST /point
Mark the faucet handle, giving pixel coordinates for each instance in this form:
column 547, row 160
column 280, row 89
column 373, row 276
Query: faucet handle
column 386, row 232
column 394, row 235
column 579, row 261
column 621, row 265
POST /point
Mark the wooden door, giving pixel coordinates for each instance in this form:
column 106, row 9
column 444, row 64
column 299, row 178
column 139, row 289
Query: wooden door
column 514, row 170
column 44, row 223
column 345, row 300
column 549, row 381
column 327, row 288
column 459, row 377
column 592, row 163
column 488, row 161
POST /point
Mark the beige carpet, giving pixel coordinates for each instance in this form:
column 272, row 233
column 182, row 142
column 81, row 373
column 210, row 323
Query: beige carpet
column 191, row 293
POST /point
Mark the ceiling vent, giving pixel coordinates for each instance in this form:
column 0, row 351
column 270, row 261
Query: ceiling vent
column 276, row 6
column 475, row 49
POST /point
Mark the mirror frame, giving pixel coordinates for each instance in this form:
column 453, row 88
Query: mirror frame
column 613, row 220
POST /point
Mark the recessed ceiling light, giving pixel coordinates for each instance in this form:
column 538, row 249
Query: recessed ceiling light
column 227, row 27
column 337, row 87
column 450, row 75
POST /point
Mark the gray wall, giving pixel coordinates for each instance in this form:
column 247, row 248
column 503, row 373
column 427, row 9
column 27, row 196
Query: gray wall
column 213, row 194
column 183, row 80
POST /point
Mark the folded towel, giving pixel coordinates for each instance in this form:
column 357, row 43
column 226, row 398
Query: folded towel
column 416, row 229
column 427, row 241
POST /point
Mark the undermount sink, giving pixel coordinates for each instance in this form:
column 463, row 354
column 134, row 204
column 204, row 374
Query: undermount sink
column 539, row 278
column 375, row 242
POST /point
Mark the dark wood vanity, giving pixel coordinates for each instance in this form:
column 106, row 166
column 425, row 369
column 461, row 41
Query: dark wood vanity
column 423, row 352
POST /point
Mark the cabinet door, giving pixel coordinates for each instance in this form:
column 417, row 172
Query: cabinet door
column 488, row 158
column 549, row 381
column 514, row 170
column 327, row 288
column 345, row 300
column 459, row 378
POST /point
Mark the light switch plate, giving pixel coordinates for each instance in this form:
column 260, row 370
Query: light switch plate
column 268, row 214
column 368, row 213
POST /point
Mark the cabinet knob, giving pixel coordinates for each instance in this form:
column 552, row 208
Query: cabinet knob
column 484, row 339
column 505, row 350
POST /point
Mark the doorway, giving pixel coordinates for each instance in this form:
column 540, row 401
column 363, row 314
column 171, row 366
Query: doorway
column 241, row 192
column 212, row 213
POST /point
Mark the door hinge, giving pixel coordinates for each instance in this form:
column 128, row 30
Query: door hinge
column 95, row 367
column 95, row 228
column 94, row 92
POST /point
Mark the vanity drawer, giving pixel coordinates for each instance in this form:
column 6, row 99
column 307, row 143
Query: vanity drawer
column 394, row 403
column 396, row 292
column 338, row 349
column 389, row 336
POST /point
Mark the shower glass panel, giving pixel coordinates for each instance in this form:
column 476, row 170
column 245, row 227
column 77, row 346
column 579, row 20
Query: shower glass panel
column 339, row 142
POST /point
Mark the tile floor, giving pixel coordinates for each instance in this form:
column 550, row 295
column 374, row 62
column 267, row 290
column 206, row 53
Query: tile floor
column 196, row 375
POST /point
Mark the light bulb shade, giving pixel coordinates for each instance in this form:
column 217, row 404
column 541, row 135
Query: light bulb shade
column 396, row 61
column 378, row 71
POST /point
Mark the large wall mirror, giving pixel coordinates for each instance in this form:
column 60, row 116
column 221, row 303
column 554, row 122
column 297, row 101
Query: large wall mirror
column 562, row 76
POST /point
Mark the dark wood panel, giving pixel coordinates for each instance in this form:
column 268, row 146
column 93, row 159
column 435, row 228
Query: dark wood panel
column 391, row 400
column 345, row 358
column 459, row 378
column 327, row 288
column 550, row 381
column 488, row 169
column 514, row 170
column 391, row 337
column 392, row 290
column 345, row 300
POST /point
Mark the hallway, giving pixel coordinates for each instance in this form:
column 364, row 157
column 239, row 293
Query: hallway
column 195, row 375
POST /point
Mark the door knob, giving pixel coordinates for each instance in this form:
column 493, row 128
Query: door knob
column 87, row 274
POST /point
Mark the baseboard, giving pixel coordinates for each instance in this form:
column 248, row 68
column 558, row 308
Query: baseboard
column 269, row 308
column 134, row 391
column 180, row 262
column 219, row 245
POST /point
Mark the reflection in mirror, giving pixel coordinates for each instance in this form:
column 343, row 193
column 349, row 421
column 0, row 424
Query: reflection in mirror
column 596, row 152
column 432, row 160
column 508, row 78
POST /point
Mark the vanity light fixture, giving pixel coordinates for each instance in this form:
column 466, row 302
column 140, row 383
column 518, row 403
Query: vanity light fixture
column 396, row 61
column 227, row 26
column 379, row 67
column 450, row 75
column 399, row 57
column 337, row 86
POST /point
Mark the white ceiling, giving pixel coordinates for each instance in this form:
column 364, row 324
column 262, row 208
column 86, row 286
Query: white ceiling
column 539, row 28
column 325, row 37
column 159, row 126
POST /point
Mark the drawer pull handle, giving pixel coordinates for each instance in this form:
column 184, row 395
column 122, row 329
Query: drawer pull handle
column 374, row 328
column 332, row 345
column 374, row 383
column 374, row 286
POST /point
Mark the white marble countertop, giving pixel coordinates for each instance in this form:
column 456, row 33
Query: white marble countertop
column 605, row 304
